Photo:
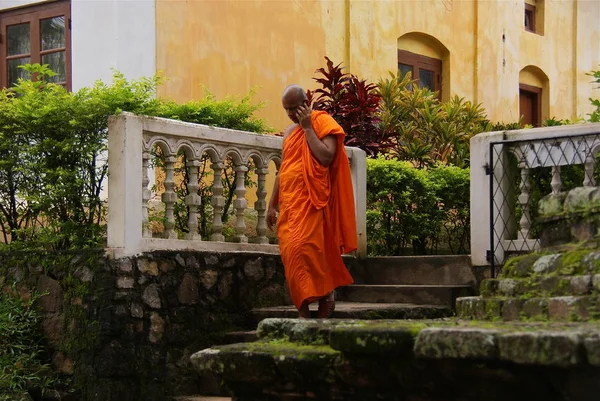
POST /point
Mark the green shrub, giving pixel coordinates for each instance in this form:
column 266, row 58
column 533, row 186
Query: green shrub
column 423, row 209
column 21, row 353
column 52, row 153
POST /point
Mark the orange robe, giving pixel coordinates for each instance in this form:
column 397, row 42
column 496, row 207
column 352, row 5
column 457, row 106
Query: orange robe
column 317, row 222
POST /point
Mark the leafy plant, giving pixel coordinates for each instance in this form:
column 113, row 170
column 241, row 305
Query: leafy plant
column 354, row 104
column 425, row 130
column 418, row 211
column 595, row 115
column 53, row 147
column 22, row 365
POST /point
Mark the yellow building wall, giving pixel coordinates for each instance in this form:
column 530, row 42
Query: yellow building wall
column 231, row 46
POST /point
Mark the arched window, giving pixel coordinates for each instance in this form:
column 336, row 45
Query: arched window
column 427, row 59
column 533, row 96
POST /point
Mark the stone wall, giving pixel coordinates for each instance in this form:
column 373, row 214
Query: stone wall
column 124, row 329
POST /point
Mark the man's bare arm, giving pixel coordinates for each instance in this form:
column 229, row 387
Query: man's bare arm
column 322, row 149
column 274, row 200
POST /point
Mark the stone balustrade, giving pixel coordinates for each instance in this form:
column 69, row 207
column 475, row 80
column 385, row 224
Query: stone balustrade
column 506, row 167
column 131, row 145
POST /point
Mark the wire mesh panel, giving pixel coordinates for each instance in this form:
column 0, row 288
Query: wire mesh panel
column 521, row 173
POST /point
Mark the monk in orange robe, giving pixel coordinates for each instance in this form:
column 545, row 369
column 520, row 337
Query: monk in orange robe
column 317, row 222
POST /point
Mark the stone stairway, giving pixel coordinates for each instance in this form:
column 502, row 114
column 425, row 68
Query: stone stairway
column 395, row 288
column 558, row 285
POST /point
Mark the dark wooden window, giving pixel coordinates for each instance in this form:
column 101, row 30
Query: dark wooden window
column 529, row 17
column 36, row 34
column 426, row 71
column 530, row 105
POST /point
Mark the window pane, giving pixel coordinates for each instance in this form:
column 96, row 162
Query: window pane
column 14, row 72
column 404, row 69
column 52, row 33
column 56, row 62
column 427, row 79
column 18, row 39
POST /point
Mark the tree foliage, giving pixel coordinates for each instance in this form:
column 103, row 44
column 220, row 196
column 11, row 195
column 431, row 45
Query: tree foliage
column 53, row 146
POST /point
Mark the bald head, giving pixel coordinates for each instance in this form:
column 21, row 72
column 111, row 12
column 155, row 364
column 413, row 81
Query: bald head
column 294, row 93
column 293, row 97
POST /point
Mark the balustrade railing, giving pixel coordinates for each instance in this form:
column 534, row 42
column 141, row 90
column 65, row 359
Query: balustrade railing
column 511, row 171
column 136, row 142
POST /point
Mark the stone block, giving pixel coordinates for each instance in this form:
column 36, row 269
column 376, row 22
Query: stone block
column 187, row 293
column 547, row 264
column 493, row 308
column 224, row 287
column 148, row 266
column 535, row 308
column 254, row 269
column 470, row 308
column 125, row 282
column 52, row 302
column 62, row 364
column 509, row 287
column 511, row 310
column 580, row 198
column 211, row 260
column 591, row 343
column 552, row 204
column 137, row 310
column 373, row 340
column 568, row 308
column 151, row 296
column 489, row 287
column 209, row 278
column 299, row 331
column 192, row 263
column 157, row 328
column 84, row 274
column 456, row 343
column 580, row 285
column 166, row 266
column 125, row 265
column 583, row 229
column 52, row 326
column 596, row 282
column 591, row 262
column 560, row 349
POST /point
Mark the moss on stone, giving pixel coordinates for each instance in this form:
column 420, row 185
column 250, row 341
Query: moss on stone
column 520, row 266
column 571, row 263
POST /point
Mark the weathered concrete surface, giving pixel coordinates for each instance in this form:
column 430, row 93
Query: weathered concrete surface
column 410, row 360
column 420, row 270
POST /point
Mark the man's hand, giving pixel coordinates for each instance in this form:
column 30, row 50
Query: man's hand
column 271, row 218
column 303, row 116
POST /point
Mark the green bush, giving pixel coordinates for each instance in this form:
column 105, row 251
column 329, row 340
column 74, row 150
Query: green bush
column 418, row 211
column 21, row 354
column 52, row 152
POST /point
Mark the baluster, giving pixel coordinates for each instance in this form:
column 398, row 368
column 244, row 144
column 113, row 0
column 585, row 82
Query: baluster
column 588, row 180
column 556, row 182
column 261, row 205
column 524, row 197
column 169, row 197
column 146, row 195
column 240, row 203
column 217, row 201
column 193, row 200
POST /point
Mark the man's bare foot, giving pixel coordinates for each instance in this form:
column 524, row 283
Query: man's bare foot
column 326, row 306
column 304, row 312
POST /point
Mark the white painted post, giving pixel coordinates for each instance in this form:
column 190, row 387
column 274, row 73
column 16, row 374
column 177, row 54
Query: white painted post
column 358, row 169
column 125, row 213
column 480, row 198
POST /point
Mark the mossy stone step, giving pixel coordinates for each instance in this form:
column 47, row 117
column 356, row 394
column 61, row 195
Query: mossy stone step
column 573, row 262
column 562, row 308
column 360, row 310
column 540, row 286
